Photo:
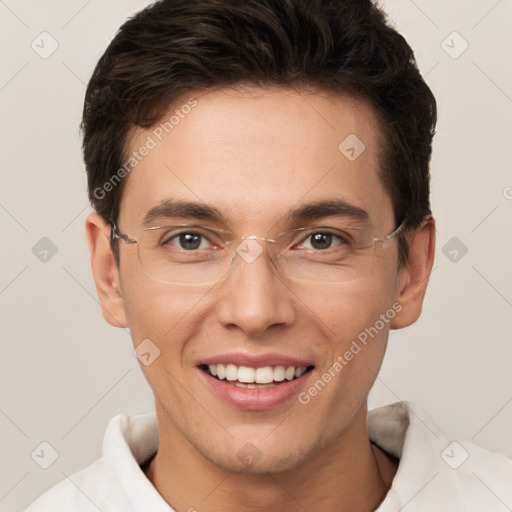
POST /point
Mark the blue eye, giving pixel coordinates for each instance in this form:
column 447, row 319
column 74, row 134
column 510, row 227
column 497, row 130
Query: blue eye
column 188, row 241
column 321, row 240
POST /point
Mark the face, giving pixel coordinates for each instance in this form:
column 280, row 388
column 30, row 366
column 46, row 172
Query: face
column 255, row 157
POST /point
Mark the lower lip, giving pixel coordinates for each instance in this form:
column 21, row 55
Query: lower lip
column 255, row 399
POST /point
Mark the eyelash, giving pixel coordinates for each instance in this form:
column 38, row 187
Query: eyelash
column 167, row 240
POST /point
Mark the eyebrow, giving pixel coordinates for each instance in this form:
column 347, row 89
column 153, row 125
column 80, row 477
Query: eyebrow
column 174, row 208
column 311, row 211
column 327, row 208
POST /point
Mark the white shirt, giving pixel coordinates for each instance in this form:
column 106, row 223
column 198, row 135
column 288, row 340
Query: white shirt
column 434, row 474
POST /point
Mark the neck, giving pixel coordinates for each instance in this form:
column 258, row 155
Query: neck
column 347, row 474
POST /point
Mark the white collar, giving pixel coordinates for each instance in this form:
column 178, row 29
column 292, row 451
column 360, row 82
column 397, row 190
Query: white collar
column 424, row 477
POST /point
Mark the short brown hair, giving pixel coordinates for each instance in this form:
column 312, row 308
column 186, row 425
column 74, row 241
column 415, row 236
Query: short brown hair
column 175, row 46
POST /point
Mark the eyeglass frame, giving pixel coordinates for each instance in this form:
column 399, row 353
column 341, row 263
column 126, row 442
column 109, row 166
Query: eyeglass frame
column 116, row 234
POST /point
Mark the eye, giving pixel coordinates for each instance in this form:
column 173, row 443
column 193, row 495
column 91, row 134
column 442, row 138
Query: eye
column 321, row 240
column 188, row 241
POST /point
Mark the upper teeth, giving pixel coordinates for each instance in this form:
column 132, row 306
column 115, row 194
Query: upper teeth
column 262, row 375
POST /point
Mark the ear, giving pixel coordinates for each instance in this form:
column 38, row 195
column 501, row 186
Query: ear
column 413, row 277
column 105, row 271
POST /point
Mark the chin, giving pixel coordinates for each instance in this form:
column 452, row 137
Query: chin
column 260, row 464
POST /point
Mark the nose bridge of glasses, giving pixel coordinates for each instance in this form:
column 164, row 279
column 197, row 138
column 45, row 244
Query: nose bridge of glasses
column 249, row 248
column 255, row 237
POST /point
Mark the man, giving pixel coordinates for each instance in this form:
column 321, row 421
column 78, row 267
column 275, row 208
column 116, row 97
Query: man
column 260, row 175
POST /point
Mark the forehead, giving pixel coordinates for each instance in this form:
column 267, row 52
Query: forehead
column 255, row 153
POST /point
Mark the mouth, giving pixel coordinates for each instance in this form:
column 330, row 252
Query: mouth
column 255, row 378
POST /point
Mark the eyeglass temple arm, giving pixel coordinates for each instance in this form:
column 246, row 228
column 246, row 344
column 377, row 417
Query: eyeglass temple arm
column 402, row 226
column 115, row 234
column 397, row 231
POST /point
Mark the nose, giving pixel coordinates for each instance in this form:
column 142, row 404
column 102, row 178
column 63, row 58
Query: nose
column 254, row 298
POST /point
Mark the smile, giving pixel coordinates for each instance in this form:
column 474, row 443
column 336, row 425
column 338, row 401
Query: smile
column 254, row 378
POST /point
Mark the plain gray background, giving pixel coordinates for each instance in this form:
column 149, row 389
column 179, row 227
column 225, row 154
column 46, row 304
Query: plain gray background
column 65, row 373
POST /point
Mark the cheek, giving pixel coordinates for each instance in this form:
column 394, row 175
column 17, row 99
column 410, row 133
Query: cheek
column 347, row 310
column 352, row 346
column 168, row 319
column 158, row 311
column 355, row 321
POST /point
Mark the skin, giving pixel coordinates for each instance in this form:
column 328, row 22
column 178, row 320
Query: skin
column 255, row 154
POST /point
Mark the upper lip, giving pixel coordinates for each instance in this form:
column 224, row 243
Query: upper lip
column 255, row 361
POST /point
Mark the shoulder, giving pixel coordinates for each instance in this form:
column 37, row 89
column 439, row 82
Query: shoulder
column 437, row 473
column 75, row 492
column 115, row 482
